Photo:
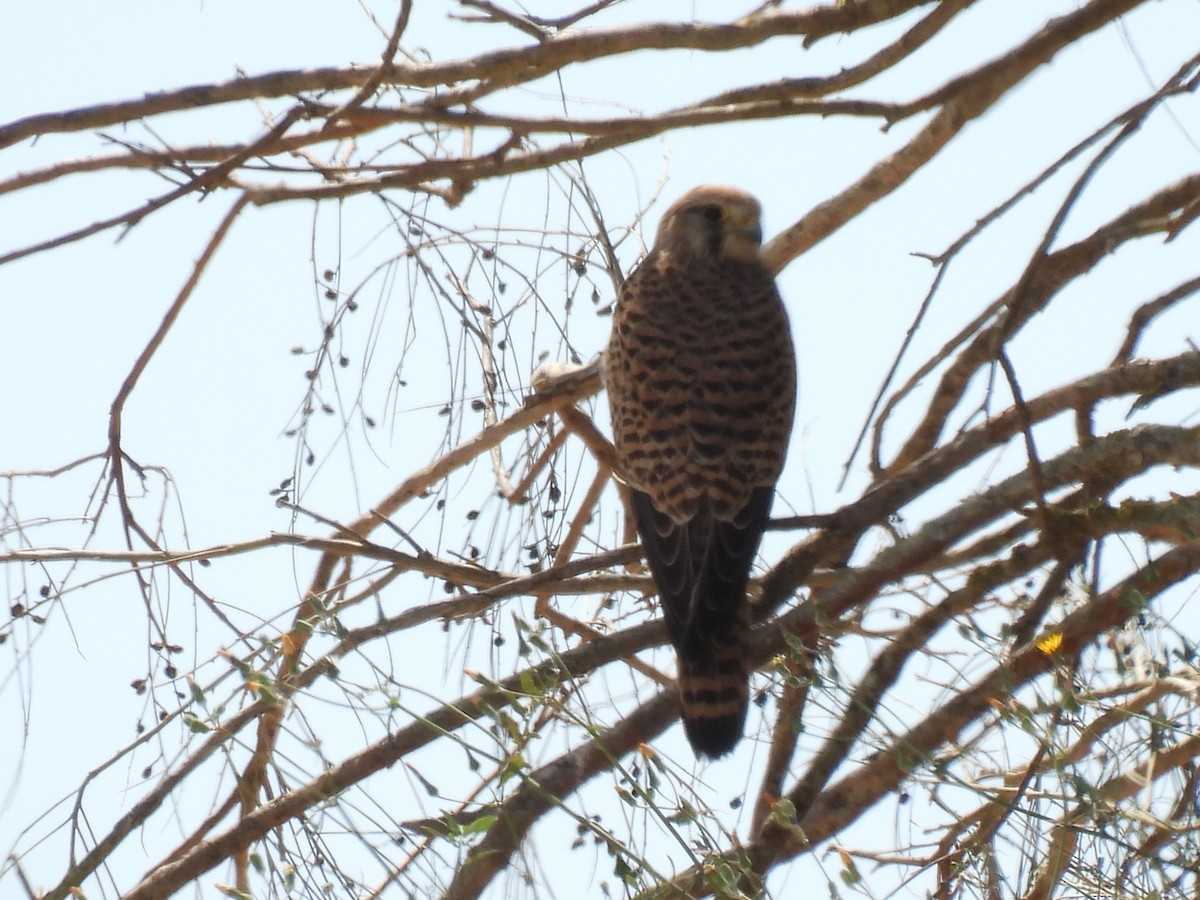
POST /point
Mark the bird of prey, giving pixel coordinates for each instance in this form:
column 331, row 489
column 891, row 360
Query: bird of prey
column 701, row 379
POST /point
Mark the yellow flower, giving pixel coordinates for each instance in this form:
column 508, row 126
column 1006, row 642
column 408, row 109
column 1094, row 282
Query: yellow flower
column 1050, row 643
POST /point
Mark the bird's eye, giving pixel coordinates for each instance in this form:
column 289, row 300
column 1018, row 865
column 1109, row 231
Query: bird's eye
column 713, row 213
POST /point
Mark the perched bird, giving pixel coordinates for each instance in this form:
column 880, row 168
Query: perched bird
column 701, row 379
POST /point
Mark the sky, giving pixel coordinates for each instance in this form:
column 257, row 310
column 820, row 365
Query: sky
column 216, row 404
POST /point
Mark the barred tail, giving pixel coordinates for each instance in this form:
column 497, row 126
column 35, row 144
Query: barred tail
column 714, row 692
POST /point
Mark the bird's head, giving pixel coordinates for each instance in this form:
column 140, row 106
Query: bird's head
column 712, row 222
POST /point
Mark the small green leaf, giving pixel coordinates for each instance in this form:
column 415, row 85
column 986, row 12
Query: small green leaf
column 480, row 825
column 197, row 691
column 784, row 812
column 195, row 723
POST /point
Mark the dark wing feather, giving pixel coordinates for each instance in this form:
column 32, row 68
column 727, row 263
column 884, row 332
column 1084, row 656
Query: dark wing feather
column 669, row 555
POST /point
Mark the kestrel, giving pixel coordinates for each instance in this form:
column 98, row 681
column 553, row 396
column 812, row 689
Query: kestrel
column 701, row 379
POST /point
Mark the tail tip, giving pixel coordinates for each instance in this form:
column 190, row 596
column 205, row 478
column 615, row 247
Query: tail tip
column 713, row 737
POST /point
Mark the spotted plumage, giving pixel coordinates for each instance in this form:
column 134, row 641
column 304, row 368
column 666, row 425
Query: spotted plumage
column 701, row 380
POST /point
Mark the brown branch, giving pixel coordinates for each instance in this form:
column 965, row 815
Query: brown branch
column 543, row 790
column 345, row 180
column 1073, row 521
column 841, row 803
column 984, row 823
column 793, row 695
column 509, row 67
column 493, row 13
column 553, row 394
column 1132, row 449
column 885, row 670
column 1024, row 629
column 1145, row 447
column 1146, row 313
column 964, row 99
column 116, row 455
column 141, row 811
column 520, row 491
column 498, row 69
column 1078, row 630
column 896, row 490
column 206, row 181
column 182, row 159
column 1184, row 80
column 574, row 18
column 508, row 156
column 164, row 879
column 1031, row 452
column 1034, row 291
column 557, row 393
column 368, row 87
column 1167, row 834
column 851, row 76
column 599, row 652
column 425, row 563
column 1064, row 837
